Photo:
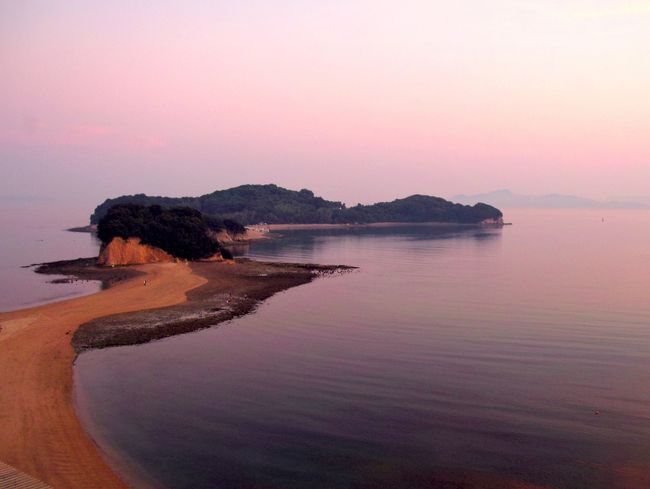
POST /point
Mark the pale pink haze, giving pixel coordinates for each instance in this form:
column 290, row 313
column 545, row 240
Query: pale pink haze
column 357, row 100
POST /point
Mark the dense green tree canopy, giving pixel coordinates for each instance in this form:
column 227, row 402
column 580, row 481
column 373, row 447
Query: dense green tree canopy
column 252, row 204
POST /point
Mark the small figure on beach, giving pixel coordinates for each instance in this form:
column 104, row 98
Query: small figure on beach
column 145, row 282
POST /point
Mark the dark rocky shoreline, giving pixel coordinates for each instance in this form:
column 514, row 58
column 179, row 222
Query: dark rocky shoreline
column 232, row 290
column 86, row 269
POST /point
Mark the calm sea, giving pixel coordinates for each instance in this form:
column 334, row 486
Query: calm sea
column 34, row 232
column 522, row 352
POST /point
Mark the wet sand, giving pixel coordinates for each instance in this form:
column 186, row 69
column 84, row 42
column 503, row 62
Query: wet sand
column 231, row 290
column 39, row 431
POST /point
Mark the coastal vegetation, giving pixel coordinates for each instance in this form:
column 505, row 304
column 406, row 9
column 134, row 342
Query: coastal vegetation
column 183, row 232
column 253, row 204
column 421, row 208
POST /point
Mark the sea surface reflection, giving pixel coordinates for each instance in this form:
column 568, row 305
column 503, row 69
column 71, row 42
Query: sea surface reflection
column 451, row 350
column 34, row 232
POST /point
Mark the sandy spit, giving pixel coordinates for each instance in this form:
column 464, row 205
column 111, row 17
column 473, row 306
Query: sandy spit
column 39, row 430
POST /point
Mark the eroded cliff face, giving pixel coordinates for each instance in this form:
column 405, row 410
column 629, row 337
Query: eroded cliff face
column 131, row 252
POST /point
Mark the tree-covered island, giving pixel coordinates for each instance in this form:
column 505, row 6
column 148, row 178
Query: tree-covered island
column 253, row 204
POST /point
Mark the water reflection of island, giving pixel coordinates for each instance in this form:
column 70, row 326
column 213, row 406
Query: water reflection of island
column 304, row 243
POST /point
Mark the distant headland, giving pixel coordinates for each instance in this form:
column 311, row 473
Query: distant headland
column 508, row 199
column 270, row 204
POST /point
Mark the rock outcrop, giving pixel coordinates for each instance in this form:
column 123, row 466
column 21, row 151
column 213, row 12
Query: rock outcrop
column 131, row 252
column 216, row 257
column 498, row 221
column 225, row 237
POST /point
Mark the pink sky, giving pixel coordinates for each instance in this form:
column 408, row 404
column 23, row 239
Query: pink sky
column 356, row 100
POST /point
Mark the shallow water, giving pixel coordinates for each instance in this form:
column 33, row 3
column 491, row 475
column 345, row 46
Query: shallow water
column 34, row 232
column 450, row 349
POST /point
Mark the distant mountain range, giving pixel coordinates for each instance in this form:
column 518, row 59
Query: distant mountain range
column 505, row 199
column 252, row 204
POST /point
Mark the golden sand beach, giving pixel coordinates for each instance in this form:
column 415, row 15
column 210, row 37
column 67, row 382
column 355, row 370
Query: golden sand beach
column 39, row 430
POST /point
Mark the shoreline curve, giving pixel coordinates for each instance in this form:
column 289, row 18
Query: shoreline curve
column 40, row 432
